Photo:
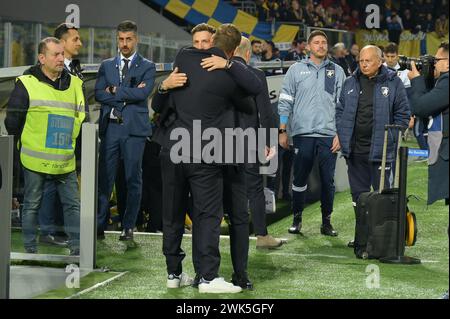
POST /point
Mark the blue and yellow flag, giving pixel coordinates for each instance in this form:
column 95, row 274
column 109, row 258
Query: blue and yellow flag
column 215, row 13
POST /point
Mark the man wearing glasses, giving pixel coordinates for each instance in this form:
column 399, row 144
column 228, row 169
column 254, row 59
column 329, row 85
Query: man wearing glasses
column 434, row 104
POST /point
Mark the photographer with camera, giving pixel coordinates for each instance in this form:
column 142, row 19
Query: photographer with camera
column 433, row 103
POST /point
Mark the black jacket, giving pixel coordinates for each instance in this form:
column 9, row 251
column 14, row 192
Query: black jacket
column 262, row 114
column 212, row 97
column 435, row 103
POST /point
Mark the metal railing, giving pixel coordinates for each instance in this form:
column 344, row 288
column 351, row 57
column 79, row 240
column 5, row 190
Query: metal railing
column 20, row 42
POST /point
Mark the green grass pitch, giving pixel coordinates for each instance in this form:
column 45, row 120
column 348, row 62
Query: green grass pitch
column 307, row 267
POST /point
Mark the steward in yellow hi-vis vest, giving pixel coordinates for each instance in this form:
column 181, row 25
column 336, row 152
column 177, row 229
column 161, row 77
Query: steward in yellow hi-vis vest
column 45, row 112
column 52, row 125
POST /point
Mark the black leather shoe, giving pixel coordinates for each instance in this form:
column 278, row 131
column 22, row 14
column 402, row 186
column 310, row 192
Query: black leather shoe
column 100, row 234
column 351, row 244
column 74, row 252
column 31, row 250
column 328, row 230
column 196, row 281
column 242, row 281
column 127, row 234
column 296, row 225
column 52, row 240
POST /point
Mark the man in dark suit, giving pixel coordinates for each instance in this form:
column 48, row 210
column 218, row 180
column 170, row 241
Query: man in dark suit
column 262, row 115
column 212, row 105
column 176, row 204
column 123, row 86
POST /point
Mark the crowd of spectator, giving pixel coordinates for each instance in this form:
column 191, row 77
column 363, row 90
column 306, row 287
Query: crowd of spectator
column 429, row 15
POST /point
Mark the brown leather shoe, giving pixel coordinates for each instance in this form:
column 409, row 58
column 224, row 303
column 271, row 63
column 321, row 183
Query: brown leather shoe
column 268, row 242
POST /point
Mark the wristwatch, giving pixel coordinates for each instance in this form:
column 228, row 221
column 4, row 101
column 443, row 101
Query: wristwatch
column 281, row 131
column 229, row 64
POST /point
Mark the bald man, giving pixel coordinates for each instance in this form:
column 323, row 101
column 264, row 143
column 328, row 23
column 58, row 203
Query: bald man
column 264, row 117
column 371, row 98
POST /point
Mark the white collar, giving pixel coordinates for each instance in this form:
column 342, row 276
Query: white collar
column 396, row 67
column 67, row 62
column 129, row 58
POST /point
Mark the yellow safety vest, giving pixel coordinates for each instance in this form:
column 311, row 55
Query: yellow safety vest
column 52, row 125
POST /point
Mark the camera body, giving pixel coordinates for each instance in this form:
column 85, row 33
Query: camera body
column 424, row 64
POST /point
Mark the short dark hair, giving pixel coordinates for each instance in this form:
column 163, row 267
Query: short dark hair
column 255, row 41
column 63, row 29
column 391, row 48
column 127, row 26
column 271, row 44
column 203, row 27
column 300, row 40
column 315, row 34
column 42, row 47
column 227, row 37
column 444, row 46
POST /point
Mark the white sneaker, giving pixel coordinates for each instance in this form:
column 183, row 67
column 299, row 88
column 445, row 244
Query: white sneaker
column 217, row 286
column 183, row 280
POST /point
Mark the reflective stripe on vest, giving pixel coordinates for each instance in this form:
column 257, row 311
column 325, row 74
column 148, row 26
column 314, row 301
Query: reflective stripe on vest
column 57, row 104
column 46, row 156
column 52, row 125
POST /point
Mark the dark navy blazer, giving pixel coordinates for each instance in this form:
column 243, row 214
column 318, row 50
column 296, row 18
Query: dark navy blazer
column 129, row 100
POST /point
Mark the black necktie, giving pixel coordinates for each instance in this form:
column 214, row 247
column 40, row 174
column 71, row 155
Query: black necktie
column 125, row 68
column 71, row 67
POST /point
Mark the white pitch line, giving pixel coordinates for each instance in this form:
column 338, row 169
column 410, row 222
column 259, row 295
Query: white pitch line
column 185, row 235
column 333, row 256
column 308, row 255
column 100, row 284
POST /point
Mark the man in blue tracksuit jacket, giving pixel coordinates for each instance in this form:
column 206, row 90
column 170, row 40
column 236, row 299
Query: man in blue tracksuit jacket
column 308, row 98
column 371, row 98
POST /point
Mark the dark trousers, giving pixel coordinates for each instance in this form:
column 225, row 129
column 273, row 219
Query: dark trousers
column 206, row 186
column 257, row 200
column 121, row 190
column 285, row 160
column 364, row 174
column 151, row 199
column 152, row 187
column 235, row 204
column 420, row 131
column 117, row 144
column 308, row 149
column 175, row 192
column 50, row 214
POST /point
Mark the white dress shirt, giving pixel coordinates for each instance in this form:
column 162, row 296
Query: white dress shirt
column 122, row 64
